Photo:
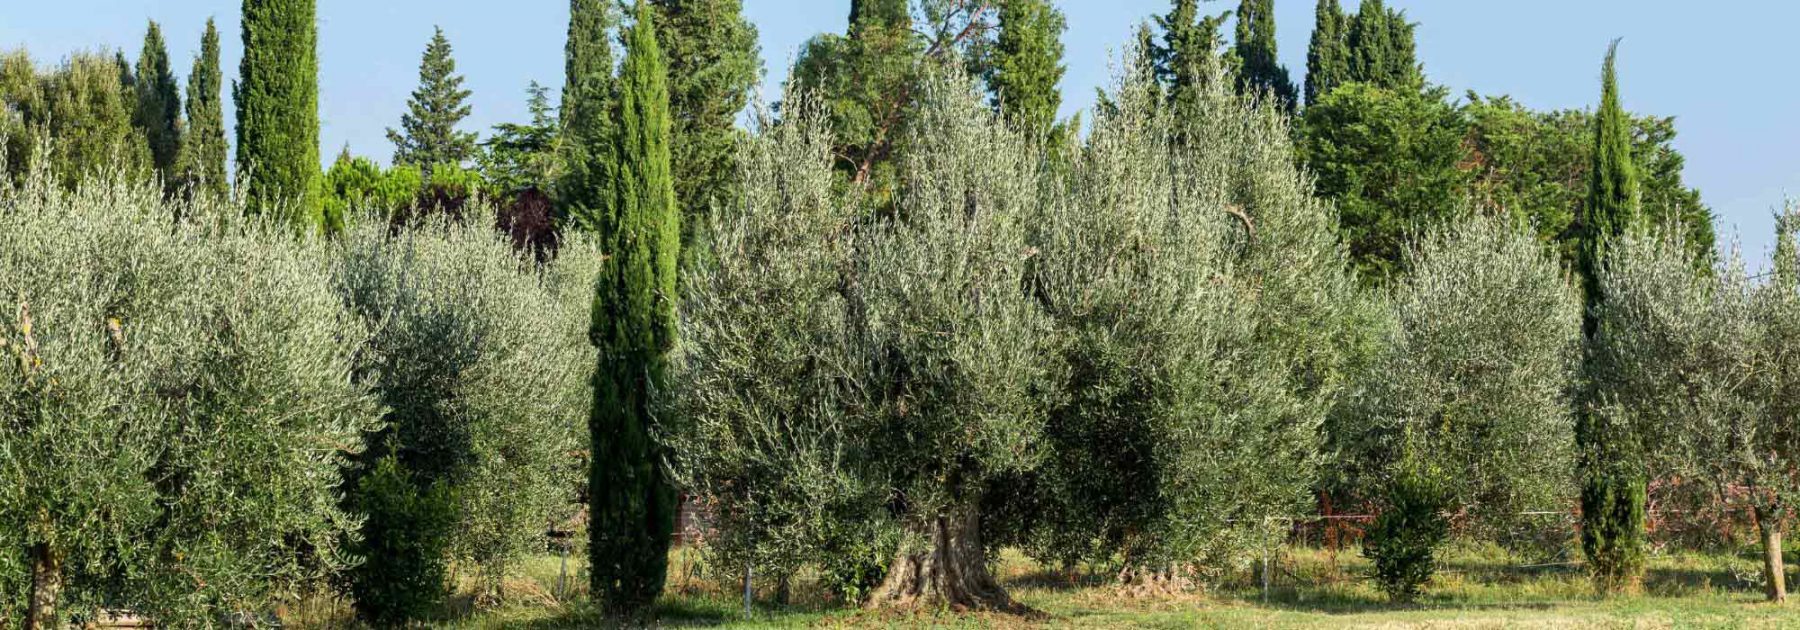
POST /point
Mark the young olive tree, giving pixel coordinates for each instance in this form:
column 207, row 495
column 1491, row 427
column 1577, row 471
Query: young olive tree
column 893, row 358
column 1202, row 308
column 1704, row 365
column 483, row 363
column 175, row 408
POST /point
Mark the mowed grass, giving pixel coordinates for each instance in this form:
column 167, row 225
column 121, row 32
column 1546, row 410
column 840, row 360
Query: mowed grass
column 1476, row 588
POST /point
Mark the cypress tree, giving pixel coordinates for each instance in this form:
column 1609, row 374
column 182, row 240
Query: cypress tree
column 581, row 195
column 277, row 96
column 633, row 504
column 1028, row 65
column 1612, row 480
column 1382, row 51
column 1261, row 69
column 713, row 64
column 1188, row 57
column 203, row 146
column 427, row 136
column 158, row 112
column 1328, row 56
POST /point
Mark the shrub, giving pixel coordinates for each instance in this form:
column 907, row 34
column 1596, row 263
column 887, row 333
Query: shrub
column 1404, row 539
column 404, row 546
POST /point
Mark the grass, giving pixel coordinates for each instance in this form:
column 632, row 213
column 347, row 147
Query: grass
column 1476, row 587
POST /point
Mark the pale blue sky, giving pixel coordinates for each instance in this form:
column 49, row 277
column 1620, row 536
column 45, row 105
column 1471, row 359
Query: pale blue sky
column 1724, row 68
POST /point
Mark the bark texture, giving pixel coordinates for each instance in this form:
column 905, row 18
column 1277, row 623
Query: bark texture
column 46, row 588
column 1774, row 571
column 950, row 573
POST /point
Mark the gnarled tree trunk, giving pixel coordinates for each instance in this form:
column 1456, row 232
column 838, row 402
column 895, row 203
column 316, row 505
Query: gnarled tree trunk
column 950, row 573
column 1768, row 521
column 46, row 588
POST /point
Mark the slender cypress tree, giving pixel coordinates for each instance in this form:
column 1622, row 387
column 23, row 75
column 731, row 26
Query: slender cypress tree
column 713, row 64
column 158, row 111
column 427, row 136
column 203, row 146
column 1612, row 479
column 277, row 96
column 1261, row 69
column 633, row 503
column 581, row 195
column 1328, row 56
column 1028, row 65
column 1189, row 55
column 1382, row 51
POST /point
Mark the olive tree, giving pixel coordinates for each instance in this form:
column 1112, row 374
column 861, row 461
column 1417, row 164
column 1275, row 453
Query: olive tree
column 175, row 408
column 482, row 360
column 1202, row 307
column 1703, row 364
column 894, row 356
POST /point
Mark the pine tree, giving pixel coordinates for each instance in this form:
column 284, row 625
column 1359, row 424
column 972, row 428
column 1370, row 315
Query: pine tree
column 428, row 135
column 633, row 504
column 203, row 146
column 1029, row 65
column 1612, row 480
column 1261, row 69
column 1328, row 57
column 158, row 112
column 581, row 193
column 277, row 96
column 713, row 64
column 1382, row 51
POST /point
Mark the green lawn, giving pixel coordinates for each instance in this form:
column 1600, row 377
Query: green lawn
column 1475, row 589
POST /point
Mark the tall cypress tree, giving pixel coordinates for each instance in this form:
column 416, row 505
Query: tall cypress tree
column 1382, row 51
column 1328, row 56
column 277, row 96
column 1612, row 478
column 1189, row 55
column 633, row 504
column 1028, row 65
column 581, row 195
column 203, row 146
column 1261, row 69
column 713, row 64
column 427, row 136
column 158, row 111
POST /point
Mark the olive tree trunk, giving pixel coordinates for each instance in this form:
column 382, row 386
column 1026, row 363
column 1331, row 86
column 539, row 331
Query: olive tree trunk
column 950, row 572
column 1774, row 572
column 46, row 588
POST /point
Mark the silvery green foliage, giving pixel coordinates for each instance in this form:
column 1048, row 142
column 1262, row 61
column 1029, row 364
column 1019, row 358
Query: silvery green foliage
column 1475, row 375
column 1205, row 312
column 836, row 362
column 483, row 363
column 1704, row 365
column 175, row 415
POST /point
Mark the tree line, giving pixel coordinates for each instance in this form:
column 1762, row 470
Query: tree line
column 906, row 317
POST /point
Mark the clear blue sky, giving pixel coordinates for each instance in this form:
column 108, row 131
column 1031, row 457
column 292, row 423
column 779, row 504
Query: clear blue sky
column 1725, row 74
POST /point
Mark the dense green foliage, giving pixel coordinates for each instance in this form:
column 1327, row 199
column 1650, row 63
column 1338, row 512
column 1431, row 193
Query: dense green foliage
column 404, row 545
column 632, row 502
column 158, row 112
column 1259, row 68
column 1328, row 54
column 1403, row 542
column 277, row 94
column 1612, row 476
column 1028, row 65
column 523, row 156
column 712, row 65
column 203, row 145
column 74, row 121
column 177, row 406
column 427, row 136
column 583, row 190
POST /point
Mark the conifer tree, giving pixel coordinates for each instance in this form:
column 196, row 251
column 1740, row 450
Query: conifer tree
column 1328, row 56
column 713, row 63
column 633, row 503
column 1612, row 480
column 203, row 146
column 158, row 111
column 1261, row 69
column 581, row 195
column 427, row 136
column 1382, row 51
column 277, row 96
column 1028, row 65
column 1189, row 55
